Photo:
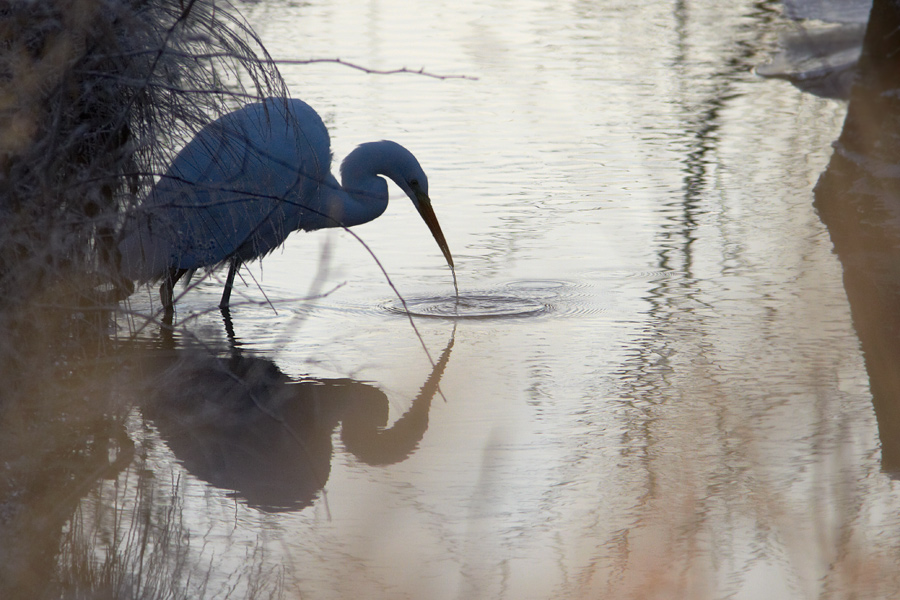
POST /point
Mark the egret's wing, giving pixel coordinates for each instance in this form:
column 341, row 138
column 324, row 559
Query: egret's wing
column 238, row 188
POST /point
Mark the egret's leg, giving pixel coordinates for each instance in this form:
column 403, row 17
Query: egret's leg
column 167, row 293
column 233, row 267
column 167, row 289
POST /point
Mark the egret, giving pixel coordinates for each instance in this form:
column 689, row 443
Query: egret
column 250, row 178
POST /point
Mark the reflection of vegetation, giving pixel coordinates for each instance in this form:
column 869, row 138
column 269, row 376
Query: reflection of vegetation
column 146, row 540
column 79, row 517
column 129, row 540
column 858, row 199
column 86, row 512
column 95, row 96
column 60, row 432
column 711, row 429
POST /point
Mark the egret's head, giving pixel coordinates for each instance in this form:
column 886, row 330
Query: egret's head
column 398, row 164
column 403, row 168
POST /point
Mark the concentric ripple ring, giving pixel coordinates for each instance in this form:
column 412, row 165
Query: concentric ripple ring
column 472, row 306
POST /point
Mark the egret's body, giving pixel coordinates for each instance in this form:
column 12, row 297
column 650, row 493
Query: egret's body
column 249, row 179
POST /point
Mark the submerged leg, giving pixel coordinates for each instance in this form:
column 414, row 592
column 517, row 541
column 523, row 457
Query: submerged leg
column 233, row 267
column 167, row 289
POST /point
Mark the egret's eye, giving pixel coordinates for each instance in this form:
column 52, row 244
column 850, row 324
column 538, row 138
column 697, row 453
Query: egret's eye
column 413, row 183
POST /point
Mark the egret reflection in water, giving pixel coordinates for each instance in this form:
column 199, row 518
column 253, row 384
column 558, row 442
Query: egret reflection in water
column 239, row 423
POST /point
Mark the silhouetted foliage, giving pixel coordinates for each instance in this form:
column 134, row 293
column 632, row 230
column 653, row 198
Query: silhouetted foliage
column 95, row 98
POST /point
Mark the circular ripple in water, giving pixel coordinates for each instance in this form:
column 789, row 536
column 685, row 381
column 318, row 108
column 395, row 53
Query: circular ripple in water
column 538, row 288
column 472, row 306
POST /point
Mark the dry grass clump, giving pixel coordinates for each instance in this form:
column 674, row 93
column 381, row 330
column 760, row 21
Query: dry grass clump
column 95, row 98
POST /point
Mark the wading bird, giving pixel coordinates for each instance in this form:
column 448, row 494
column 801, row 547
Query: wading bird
column 249, row 179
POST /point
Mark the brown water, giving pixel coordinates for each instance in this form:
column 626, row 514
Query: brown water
column 651, row 386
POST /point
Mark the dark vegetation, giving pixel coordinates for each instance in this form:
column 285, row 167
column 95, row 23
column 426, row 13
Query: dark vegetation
column 96, row 96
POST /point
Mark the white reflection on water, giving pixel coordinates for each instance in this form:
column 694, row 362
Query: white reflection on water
column 688, row 415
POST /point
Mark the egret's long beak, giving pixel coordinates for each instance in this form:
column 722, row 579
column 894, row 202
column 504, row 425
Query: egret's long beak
column 423, row 204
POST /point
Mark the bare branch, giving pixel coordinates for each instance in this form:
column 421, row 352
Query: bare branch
column 339, row 61
column 200, row 56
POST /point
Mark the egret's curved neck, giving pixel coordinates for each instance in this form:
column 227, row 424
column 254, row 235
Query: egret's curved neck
column 360, row 180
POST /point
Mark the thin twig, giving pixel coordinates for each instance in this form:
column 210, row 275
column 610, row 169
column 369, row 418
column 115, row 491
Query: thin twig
column 370, row 71
column 303, row 61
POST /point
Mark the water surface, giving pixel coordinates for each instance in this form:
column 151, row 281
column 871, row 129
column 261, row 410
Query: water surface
column 651, row 386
